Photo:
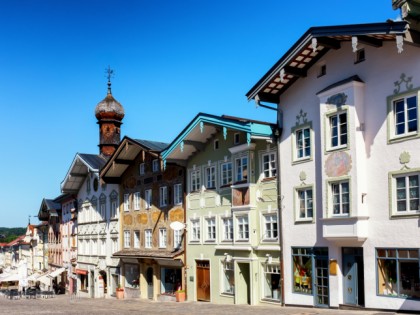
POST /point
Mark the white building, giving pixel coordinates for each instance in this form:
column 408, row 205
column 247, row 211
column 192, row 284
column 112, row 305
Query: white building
column 348, row 98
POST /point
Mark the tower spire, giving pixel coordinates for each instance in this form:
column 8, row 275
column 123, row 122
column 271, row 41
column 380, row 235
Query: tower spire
column 109, row 74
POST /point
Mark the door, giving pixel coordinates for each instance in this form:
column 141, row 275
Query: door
column 321, row 281
column 203, row 281
column 353, row 276
column 243, row 293
column 92, row 284
column 149, row 279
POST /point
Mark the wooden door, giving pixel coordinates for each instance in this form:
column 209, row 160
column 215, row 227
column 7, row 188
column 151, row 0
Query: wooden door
column 203, row 281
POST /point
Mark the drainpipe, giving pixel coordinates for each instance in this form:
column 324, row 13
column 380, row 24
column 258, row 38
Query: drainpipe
column 279, row 131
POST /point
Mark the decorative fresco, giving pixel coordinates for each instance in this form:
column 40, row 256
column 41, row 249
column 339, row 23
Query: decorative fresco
column 338, row 164
column 405, row 159
column 403, row 79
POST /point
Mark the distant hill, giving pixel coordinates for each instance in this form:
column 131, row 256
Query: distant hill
column 9, row 234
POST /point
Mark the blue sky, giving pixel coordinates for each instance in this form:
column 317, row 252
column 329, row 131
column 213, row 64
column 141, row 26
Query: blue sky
column 172, row 59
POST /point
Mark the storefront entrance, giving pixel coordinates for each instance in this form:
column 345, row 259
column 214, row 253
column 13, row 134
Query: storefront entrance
column 149, row 279
column 203, row 280
column 353, row 289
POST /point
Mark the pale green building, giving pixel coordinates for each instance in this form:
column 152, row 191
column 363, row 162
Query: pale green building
column 232, row 237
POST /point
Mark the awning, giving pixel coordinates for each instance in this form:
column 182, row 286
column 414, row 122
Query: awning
column 81, row 272
column 57, row 272
column 44, row 279
column 12, row 277
column 33, row 277
column 169, row 262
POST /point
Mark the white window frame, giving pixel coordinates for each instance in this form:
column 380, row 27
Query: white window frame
column 228, row 230
column 241, row 168
column 270, row 226
column 307, row 201
column 329, row 132
column 102, row 251
column 267, row 167
column 227, row 266
column 301, row 143
column 411, row 193
column 177, row 239
column 178, row 194
column 127, row 238
column 163, row 196
column 195, row 235
column 162, row 238
column 211, row 177
column 142, row 168
column 211, row 229
column 242, row 228
column 148, row 238
column 136, row 239
column 155, row 165
column 340, row 194
column 405, row 116
column 137, row 200
column 126, row 202
column 226, row 173
column 195, row 183
column 148, row 198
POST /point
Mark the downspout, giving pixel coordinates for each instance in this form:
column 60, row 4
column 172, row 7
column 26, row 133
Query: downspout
column 279, row 131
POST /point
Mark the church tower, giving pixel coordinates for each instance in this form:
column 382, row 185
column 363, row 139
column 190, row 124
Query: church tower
column 109, row 113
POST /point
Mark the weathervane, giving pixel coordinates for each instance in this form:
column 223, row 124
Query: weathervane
column 109, row 73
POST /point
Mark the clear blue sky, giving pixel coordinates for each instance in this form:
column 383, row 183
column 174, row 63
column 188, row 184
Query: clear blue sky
column 172, row 59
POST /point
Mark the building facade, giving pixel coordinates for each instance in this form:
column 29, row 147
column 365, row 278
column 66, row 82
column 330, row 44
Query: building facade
column 349, row 165
column 151, row 253
column 231, row 209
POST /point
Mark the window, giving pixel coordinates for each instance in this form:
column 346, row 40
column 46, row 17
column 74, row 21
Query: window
column 141, row 168
column 228, row 277
column 405, row 115
column 270, row 227
column 195, row 234
column 305, row 204
column 211, row 177
column 195, row 180
column 236, row 138
column 127, row 236
column 398, row 272
column 177, row 238
column 227, row 229
column 136, row 201
column 241, row 169
column 269, row 164
column 406, row 193
column 303, row 143
column 322, row 70
column 226, row 173
column 216, row 144
column 338, row 130
column 163, row 196
column 155, row 166
column 360, row 55
column 148, row 238
column 302, row 270
column 126, row 202
column 271, row 282
column 403, row 119
column 132, row 275
column 211, row 229
column 178, row 195
column 148, row 198
column 103, row 210
column 340, row 198
column 114, row 245
column 136, row 239
column 243, row 228
column 103, row 248
column 162, row 238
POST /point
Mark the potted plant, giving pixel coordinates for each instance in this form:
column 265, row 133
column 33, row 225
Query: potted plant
column 120, row 292
column 180, row 295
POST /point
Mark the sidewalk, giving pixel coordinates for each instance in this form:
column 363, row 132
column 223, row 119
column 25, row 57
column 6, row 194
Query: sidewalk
column 64, row 304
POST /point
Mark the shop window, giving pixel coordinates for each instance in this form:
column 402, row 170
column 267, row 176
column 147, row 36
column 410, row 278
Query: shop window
column 398, row 273
column 131, row 273
column 171, row 280
column 302, row 271
column 271, row 281
column 228, row 275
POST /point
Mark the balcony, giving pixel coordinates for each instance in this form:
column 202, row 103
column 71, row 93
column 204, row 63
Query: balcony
column 345, row 230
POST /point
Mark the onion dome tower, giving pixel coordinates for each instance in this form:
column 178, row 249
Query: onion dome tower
column 109, row 113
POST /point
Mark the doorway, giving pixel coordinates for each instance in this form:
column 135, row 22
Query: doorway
column 149, row 279
column 353, row 275
column 104, row 278
column 92, row 284
column 244, row 285
column 203, row 281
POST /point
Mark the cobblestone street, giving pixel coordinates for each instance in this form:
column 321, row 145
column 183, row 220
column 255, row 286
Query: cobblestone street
column 66, row 305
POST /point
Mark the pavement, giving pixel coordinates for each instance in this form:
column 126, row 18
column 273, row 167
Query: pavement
column 64, row 304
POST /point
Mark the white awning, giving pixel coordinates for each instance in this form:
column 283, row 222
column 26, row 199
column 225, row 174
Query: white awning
column 33, row 277
column 12, row 277
column 57, row 272
column 44, row 279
